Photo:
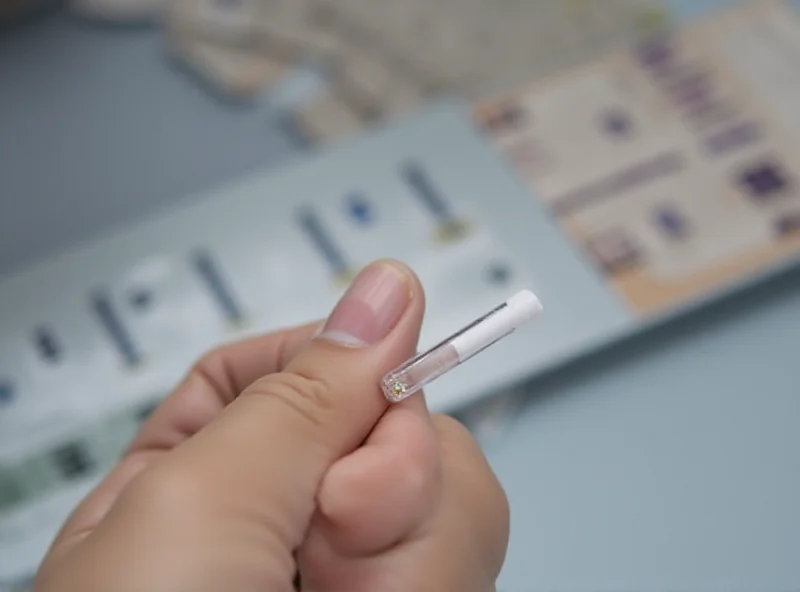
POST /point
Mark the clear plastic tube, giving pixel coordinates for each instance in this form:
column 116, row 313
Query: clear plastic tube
column 424, row 368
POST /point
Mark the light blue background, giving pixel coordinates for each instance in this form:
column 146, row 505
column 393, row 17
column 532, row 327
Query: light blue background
column 668, row 463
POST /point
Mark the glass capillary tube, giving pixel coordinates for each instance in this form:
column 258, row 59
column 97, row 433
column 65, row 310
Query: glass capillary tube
column 423, row 368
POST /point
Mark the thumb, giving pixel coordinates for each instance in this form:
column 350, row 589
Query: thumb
column 261, row 462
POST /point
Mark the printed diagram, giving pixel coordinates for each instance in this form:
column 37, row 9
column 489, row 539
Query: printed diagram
column 670, row 163
column 384, row 58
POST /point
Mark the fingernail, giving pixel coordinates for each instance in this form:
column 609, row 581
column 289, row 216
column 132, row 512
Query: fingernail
column 370, row 308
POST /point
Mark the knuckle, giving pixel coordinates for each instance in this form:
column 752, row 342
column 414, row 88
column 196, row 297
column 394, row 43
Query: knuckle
column 212, row 369
column 308, row 397
column 210, row 359
column 168, row 492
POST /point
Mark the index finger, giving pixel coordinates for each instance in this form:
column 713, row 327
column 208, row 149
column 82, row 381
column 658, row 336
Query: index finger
column 213, row 382
column 216, row 380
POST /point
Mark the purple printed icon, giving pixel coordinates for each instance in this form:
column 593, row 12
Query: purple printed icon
column 671, row 222
column 528, row 155
column 614, row 252
column 732, row 138
column 764, row 181
column 616, row 123
column 506, row 118
column 656, row 54
column 693, row 91
column 788, row 224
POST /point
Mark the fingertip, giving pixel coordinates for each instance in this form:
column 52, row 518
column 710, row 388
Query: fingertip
column 408, row 327
column 414, row 283
column 411, row 321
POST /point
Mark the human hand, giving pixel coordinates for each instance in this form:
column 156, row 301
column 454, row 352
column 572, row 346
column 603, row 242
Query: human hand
column 279, row 454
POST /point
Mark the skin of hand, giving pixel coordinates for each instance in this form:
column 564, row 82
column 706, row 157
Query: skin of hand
column 279, row 456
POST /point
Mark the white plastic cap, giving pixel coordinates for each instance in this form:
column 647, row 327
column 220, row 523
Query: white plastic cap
column 527, row 303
